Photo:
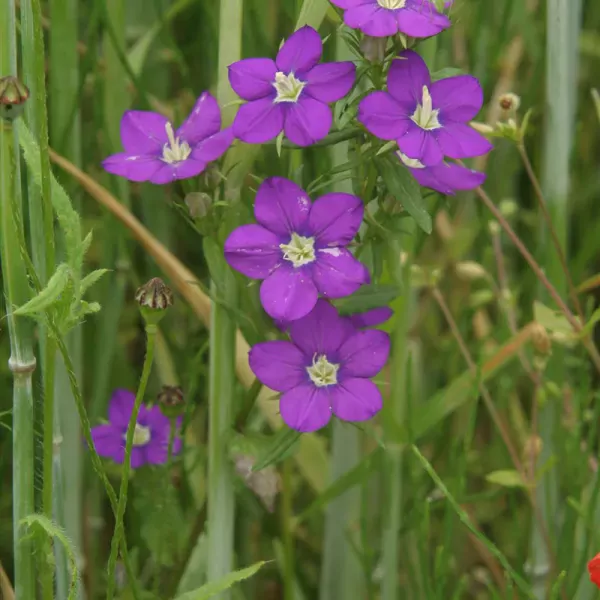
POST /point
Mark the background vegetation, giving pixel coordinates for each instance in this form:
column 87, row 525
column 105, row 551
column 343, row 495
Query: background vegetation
column 360, row 513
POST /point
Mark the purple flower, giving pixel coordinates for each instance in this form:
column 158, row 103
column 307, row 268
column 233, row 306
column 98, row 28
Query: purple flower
column 445, row 178
column 298, row 248
column 428, row 120
column 291, row 93
column 150, row 439
column 361, row 320
column 380, row 18
column 155, row 152
column 325, row 369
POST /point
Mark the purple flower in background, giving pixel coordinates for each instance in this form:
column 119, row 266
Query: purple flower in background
column 428, row 120
column 380, row 18
column 298, row 248
column 325, row 369
column 445, row 178
column 150, row 439
column 291, row 93
column 155, row 152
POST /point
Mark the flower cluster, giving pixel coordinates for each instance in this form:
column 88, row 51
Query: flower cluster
column 301, row 249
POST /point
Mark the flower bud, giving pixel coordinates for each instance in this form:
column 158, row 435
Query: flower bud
column 154, row 298
column 198, row 204
column 483, row 128
column 13, row 95
column 373, row 48
column 509, row 102
column 171, row 401
column 540, row 339
column 470, row 270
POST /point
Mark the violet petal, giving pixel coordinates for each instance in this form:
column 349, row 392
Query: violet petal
column 278, row 364
column 109, row 441
column 253, row 251
column 421, row 145
column 406, row 78
column 213, row 147
column 364, row 354
column 252, row 78
column 383, row 116
column 458, row 140
column 371, row 19
column 421, row 19
column 300, row 52
column 371, row 318
column 305, row 408
column 258, row 121
column 459, row 98
column 281, row 206
column 288, row 293
column 356, row 400
column 132, row 167
column 329, row 82
column 307, row 121
column 143, row 132
column 120, row 407
column 202, row 122
column 336, row 218
column 337, row 273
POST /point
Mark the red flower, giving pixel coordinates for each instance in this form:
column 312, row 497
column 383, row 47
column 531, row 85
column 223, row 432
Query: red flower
column 594, row 569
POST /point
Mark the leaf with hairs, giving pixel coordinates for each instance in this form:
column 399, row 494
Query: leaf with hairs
column 89, row 280
column 216, row 587
column 49, row 296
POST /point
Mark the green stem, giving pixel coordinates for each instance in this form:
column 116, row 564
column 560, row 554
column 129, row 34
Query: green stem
column 122, row 504
column 288, row 536
column 43, row 255
column 16, row 289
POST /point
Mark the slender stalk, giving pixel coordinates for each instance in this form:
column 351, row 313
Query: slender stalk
column 43, row 257
column 392, row 463
column 122, row 504
column 65, row 136
column 289, row 570
column 539, row 273
column 16, row 289
column 341, row 572
column 221, row 496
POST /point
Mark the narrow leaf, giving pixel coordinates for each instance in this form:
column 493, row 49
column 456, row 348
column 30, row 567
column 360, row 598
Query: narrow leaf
column 49, row 295
column 369, row 297
column 282, row 446
column 89, row 280
column 216, row 587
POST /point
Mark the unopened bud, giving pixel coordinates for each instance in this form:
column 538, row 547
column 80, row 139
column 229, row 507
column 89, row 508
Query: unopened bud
column 171, row 401
column 470, row 270
column 198, row 204
column 509, row 102
column 540, row 339
column 154, row 298
column 13, row 95
column 482, row 127
column 373, row 48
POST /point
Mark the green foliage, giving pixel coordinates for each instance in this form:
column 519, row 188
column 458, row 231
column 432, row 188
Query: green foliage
column 281, row 446
column 210, row 590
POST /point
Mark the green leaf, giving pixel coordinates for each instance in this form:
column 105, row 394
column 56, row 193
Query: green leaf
column 445, row 73
column 282, row 445
column 68, row 218
column 49, row 295
column 89, row 280
column 589, row 326
column 551, row 320
column 404, row 187
column 369, row 297
column 220, row 272
column 216, row 587
column 312, row 13
column 506, row 478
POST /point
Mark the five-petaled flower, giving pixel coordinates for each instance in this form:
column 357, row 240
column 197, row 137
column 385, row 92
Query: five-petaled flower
column 150, row 438
column 380, row 18
column 594, row 570
column 298, row 248
column 291, row 93
column 428, row 120
column 155, row 152
column 326, row 368
column 446, row 178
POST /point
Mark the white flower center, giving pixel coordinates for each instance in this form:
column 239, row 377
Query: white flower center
column 175, row 151
column 413, row 163
column 425, row 116
column 322, row 372
column 288, row 88
column 391, row 4
column 299, row 251
column 141, row 435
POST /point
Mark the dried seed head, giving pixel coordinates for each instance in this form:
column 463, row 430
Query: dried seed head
column 509, row 102
column 13, row 95
column 265, row 483
column 540, row 339
column 171, row 401
column 154, row 298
